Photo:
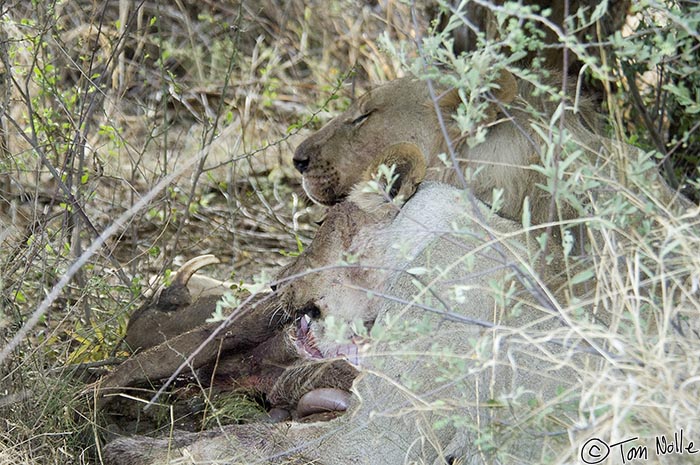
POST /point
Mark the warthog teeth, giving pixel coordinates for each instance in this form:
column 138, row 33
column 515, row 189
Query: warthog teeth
column 304, row 323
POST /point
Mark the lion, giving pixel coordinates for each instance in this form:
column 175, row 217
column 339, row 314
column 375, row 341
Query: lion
column 463, row 354
column 521, row 129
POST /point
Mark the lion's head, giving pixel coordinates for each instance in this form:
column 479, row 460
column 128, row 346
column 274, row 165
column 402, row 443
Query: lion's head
column 333, row 160
column 402, row 111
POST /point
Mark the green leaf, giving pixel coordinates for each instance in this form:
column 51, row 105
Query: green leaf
column 582, row 277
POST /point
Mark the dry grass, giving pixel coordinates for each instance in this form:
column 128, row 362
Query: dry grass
column 648, row 280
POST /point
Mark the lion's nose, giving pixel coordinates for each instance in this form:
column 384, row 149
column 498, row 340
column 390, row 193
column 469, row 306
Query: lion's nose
column 300, row 160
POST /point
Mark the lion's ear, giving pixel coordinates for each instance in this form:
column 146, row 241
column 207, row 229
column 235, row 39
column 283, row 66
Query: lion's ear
column 507, row 87
column 504, row 94
column 409, row 167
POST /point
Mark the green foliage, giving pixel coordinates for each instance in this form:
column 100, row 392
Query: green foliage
column 383, row 182
column 660, row 65
column 649, row 85
column 231, row 408
column 228, row 302
column 294, row 253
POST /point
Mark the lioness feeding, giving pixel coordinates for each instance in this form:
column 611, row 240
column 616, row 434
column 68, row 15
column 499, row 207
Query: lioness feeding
column 464, row 356
column 522, row 134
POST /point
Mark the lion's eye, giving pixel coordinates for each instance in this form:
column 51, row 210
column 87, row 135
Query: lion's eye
column 360, row 118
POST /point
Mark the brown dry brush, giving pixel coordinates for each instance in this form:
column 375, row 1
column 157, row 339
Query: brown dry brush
column 134, row 136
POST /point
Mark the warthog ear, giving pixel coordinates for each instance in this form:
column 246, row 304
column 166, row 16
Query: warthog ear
column 408, row 164
column 505, row 94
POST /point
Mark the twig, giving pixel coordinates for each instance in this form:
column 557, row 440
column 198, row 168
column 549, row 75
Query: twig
column 649, row 124
column 96, row 245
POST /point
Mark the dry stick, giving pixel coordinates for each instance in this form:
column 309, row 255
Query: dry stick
column 556, row 155
column 436, row 106
column 649, row 125
column 333, row 94
column 449, row 315
column 87, row 107
column 5, row 85
column 238, row 313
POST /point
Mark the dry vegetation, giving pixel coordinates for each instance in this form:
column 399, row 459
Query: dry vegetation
column 136, row 135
